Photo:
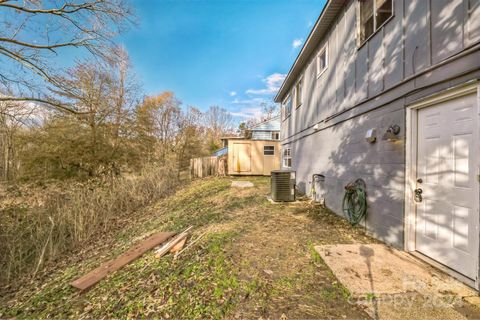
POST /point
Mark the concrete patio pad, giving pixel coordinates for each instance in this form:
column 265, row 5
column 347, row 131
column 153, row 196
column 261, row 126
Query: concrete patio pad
column 392, row 284
column 379, row 269
column 242, row 184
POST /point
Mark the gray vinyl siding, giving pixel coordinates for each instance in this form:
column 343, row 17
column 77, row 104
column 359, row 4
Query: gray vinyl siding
column 417, row 41
column 447, row 28
column 393, row 65
column 472, row 23
column 262, row 135
column 369, row 87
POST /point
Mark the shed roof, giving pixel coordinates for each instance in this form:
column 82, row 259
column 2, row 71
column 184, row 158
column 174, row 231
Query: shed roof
column 321, row 27
column 220, row 152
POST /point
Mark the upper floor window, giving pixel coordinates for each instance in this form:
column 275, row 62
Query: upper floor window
column 275, row 135
column 373, row 14
column 298, row 93
column 287, row 107
column 322, row 60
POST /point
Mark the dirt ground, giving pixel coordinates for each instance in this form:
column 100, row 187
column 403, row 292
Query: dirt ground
column 276, row 251
column 253, row 260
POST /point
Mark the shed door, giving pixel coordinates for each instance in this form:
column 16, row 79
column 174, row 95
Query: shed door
column 447, row 168
column 241, row 157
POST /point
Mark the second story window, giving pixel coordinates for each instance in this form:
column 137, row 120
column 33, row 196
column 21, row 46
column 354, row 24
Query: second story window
column 373, row 14
column 322, row 60
column 298, row 93
column 275, row 135
column 287, row 107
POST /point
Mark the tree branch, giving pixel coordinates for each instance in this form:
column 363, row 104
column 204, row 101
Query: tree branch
column 49, row 47
column 56, row 11
column 27, row 63
column 50, row 103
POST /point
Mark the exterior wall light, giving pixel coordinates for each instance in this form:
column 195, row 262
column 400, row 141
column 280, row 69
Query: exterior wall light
column 391, row 133
column 371, row 135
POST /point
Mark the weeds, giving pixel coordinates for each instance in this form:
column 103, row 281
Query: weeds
column 222, row 276
column 32, row 235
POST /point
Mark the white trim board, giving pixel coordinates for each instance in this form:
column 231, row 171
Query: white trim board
column 411, row 160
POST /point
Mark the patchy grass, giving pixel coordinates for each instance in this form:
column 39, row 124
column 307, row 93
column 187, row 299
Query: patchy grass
column 255, row 260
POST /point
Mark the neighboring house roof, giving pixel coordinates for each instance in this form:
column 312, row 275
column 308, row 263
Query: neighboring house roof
column 272, row 124
column 220, row 152
column 322, row 26
column 231, row 137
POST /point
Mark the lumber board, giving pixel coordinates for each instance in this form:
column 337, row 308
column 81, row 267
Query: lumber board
column 169, row 245
column 179, row 246
column 94, row 276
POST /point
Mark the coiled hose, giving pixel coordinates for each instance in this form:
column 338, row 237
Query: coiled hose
column 355, row 202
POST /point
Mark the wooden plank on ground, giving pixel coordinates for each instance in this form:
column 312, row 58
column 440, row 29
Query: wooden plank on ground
column 169, row 245
column 179, row 246
column 101, row 272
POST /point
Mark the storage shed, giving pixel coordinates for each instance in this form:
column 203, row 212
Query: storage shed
column 253, row 157
column 258, row 152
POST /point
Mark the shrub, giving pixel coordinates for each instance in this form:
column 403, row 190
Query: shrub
column 32, row 234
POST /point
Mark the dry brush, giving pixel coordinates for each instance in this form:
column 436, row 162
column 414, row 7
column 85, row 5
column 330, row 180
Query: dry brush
column 32, row 235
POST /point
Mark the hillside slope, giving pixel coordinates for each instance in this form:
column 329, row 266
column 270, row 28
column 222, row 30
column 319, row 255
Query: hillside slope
column 255, row 260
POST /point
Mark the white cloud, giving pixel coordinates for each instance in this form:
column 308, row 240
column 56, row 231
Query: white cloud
column 272, row 84
column 233, row 93
column 248, row 108
column 249, row 102
column 248, row 113
column 297, row 43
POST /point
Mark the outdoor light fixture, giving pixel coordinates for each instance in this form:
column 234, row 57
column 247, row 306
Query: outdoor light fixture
column 371, row 135
column 391, row 133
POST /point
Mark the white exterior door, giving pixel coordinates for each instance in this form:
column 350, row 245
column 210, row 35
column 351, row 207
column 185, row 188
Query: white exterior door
column 447, row 216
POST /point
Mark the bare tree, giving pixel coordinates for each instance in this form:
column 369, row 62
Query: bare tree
column 124, row 91
column 13, row 117
column 269, row 110
column 190, row 140
column 159, row 119
column 35, row 33
column 218, row 121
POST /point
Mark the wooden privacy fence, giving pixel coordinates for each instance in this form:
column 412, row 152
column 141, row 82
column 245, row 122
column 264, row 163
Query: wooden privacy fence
column 208, row 166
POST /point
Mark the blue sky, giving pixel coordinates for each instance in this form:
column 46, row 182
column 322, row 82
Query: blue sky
column 231, row 53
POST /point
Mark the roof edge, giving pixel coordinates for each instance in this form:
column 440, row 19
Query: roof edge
column 265, row 121
column 309, row 43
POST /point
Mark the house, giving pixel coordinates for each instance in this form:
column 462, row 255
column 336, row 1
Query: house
column 258, row 153
column 387, row 91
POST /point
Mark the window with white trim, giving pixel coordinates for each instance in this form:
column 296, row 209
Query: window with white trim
column 287, row 158
column 373, row 14
column 268, row 150
column 275, row 135
column 287, row 106
column 322, row 60
column 298, row 93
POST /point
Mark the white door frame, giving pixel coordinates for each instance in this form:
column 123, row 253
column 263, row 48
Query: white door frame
column 411, row 165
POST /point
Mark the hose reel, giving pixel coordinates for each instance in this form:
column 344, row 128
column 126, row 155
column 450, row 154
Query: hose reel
column 354, row 203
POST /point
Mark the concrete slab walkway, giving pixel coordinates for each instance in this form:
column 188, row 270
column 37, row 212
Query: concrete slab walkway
column 392, row 284
column 242, row 184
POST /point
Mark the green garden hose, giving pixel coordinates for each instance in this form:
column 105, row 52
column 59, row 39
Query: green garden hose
column 355, row 202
